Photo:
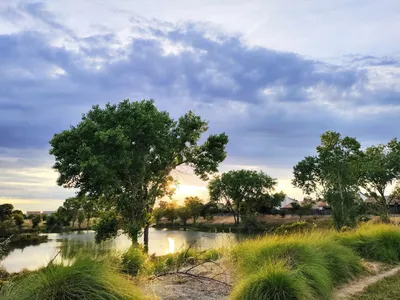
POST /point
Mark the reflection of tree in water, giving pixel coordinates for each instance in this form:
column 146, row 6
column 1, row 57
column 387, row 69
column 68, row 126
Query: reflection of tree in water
column 70, row 248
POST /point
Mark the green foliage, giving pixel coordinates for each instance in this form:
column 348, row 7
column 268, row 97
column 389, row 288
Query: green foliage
column 295, row 227
column 84, row 279
column 36, row 220
column 133, row 260
column 158, row 214
column 242, row 191
column 335, row 174
column 381, row 167
column 184, row 213
column 81, row 217
column 195, row 205
column 297, row 266
column 18, row 219
column 374, row 242
column 275, row 282
column 126, row 152
column 5, row 211
column 208, row 210
column 107, row 226
column 171, row 211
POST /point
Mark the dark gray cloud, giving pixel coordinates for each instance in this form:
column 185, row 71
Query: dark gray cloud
column 264, row 99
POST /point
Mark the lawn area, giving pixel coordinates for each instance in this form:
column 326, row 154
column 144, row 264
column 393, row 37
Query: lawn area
column 388, row 288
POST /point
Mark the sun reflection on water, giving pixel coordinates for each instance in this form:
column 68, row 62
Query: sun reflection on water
column 171, row 243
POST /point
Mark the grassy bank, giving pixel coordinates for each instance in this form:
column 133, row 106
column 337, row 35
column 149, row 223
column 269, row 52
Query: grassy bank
column 265, row 224
column 309, row 265
column 85, row 278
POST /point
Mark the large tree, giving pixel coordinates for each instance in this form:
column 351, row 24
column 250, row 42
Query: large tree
column 126, row 153
column 381, row 168
column 334, row 174
column 242, row 191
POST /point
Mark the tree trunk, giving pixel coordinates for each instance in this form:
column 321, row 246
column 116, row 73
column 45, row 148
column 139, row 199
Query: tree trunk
column 385, row 213
column 146, row 237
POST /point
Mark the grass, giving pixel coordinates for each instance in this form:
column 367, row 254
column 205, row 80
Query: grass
column 85, row 278
column 308, row 261
column 374, row 242
column 309, row 265
column 387, row 288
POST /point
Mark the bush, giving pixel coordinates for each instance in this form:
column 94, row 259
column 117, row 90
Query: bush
column 310, row 264
column 84, row 279
column 374, row 242
column 294, row 227
column 133, row 259
column 36, row 219
column 276, row 282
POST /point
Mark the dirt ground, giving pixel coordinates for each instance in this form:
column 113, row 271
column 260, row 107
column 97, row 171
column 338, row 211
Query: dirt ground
column 378, row 272
column 183, row 287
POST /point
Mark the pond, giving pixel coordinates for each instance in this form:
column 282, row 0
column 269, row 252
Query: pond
column 162, row 241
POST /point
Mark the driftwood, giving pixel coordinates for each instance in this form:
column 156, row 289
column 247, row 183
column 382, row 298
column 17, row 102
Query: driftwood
column 179, row 269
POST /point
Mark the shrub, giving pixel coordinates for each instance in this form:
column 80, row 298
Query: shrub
column 133, row 259
column 36, row 219
column 313, row 262
column 276, row 282
column 84, row 279
column 374, row 242
column 342, row 263
column 294, row 227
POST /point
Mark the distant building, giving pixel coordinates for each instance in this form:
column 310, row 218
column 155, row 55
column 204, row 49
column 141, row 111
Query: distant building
column 33, row 212
column 48, row 212
column 286, row 203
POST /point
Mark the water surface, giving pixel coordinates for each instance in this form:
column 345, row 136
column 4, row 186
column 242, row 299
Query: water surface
column 162, row 241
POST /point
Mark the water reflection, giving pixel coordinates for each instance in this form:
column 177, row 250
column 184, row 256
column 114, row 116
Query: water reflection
column 67, row 245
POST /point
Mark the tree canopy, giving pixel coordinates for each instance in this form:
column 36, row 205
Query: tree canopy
column 380, row 168
column 335, row 174
column 125, row 153
column 242, row 191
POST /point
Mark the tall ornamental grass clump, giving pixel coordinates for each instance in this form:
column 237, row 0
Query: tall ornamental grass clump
column 85, row 278
column 378, row 242
column 299, row 266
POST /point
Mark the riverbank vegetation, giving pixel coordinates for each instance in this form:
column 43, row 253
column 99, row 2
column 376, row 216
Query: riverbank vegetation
column 13, row 233
column 307, row 264
column 84, row 278
column 310, row 265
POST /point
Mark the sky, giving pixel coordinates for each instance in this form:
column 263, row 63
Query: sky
column 273, row 75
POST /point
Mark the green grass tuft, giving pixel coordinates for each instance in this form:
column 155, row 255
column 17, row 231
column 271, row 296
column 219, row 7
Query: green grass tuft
column 133, row 260
column 374, row 242
column 85, row 278
column 273, row 282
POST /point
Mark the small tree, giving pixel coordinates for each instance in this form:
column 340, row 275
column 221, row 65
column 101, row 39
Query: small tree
column 158, row 214
column 295, row 208
column 5, row 211
column 36, row 219
column 184, row 213
column 195, row 205
column 19, row 220
column 334, row 174
column 81, row 217
column 171, row 212
column 209, row 210
column 380, row 168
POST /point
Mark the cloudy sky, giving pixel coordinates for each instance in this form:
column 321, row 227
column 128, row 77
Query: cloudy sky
column 272, row 74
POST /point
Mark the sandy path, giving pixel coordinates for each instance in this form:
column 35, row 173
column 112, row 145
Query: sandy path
column 355, row 287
